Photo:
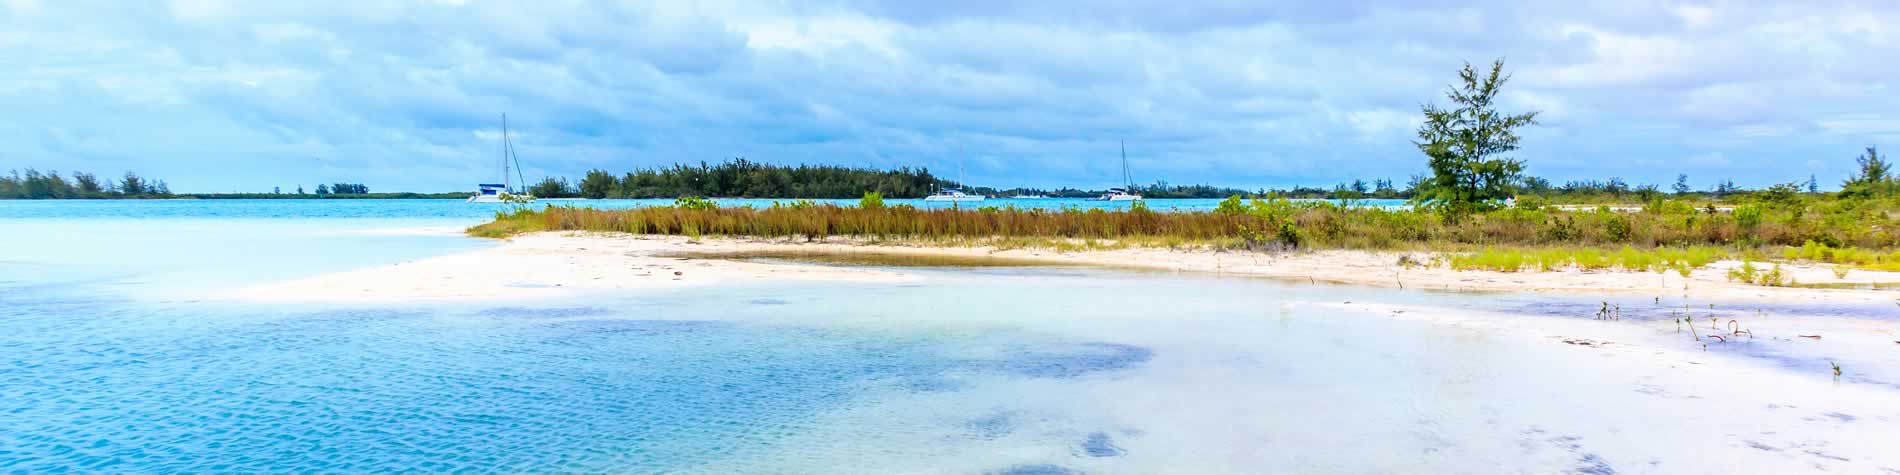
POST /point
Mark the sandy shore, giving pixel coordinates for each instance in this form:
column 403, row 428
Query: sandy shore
column 556, row 263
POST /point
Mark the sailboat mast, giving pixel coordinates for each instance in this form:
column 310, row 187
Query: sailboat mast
column 507, row 150
column 507, row 153
column 1128, row 179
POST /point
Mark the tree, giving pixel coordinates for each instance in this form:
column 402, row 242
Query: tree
column 597, row 184
column 1682, row 184
column 1813, row 185
column 299, row 189
column 1874, row 178
column 1359, row 186
column 1725, row 188
column 550, row 187
column 1464, row 144
column 323, row 190
column 87, row 182
column 276, row 190
column 131, row 184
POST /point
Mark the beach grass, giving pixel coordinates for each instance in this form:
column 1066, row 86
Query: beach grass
column 1659, row 238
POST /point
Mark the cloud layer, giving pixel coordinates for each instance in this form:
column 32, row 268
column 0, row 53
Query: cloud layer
column 231, row 95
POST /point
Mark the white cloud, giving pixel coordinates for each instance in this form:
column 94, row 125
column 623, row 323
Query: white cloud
column 1230, row 92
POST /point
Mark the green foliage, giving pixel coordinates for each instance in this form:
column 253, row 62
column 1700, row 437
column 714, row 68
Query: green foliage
column 1748, row 217
column 1749, row 274
column 1682, row 259
column 1230, row 206
column 347, row 189
column 742, row 178
column 1464, row 143
column 597, row 184
column 552, row 187
column 35, row 185
column 871, row 200
column 1874, row 179
column 694, row 202
column 1531, row 202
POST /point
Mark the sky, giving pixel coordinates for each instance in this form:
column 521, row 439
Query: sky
column 217, row 96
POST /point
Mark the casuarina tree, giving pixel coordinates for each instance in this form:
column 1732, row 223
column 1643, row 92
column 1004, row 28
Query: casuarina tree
column 1466, row 142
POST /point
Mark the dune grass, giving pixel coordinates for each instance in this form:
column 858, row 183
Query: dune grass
column 1661, row 238
column 1661, row 259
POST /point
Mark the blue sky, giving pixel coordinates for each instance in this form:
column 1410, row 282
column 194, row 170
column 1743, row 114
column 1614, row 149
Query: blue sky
column 406, row 95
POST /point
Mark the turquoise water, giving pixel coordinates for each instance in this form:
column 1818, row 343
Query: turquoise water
column 113, row 360
column 457, row 209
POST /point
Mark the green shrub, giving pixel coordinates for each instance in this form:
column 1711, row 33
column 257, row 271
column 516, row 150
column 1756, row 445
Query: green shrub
column 871, row 200
column 694, row 202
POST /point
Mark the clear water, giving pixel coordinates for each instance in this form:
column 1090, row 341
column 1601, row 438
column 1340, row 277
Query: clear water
column 110, row 362
column 457, row 209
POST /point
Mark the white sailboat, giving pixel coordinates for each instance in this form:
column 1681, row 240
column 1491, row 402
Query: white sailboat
column 494, row 192
column 954, row 194
column 1127, row 192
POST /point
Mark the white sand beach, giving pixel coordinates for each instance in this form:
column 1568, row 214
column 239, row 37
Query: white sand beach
column 554, row 263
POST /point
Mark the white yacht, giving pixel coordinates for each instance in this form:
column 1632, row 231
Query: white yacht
column 1126, row 193
column 1118, row 194
column 493, row 192
column 954, row 194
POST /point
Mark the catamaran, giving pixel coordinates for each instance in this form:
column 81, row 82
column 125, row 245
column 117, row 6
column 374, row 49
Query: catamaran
column 493, row 192
column 954, row 194
column 1127, row 192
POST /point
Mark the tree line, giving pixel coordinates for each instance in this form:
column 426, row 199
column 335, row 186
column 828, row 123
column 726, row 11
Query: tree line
column 33, row 184
column 36, row 185
column 742, row 178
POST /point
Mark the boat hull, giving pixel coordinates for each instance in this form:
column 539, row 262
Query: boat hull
column 953, row 198
column 494, row 199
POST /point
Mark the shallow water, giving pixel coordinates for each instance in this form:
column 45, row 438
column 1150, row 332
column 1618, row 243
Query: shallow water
column 110, row 362
column 457, row 209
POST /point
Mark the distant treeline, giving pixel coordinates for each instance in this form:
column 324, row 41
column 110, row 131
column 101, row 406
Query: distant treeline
column 34, row 185
column 741, row 178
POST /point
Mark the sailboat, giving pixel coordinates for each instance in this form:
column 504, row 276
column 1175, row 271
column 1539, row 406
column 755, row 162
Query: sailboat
column 493, row 192
column 1127, row 191
column 954, row 194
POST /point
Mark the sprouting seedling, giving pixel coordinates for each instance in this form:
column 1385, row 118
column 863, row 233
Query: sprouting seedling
column 1691, row 325
column 1618, row 316
column 1713, row 323
column 1837, row 370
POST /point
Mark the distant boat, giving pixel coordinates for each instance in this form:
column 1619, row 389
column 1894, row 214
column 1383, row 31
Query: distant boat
column 1029, row 197
column 493, row 192
column 1126, row 193
column 954, row 194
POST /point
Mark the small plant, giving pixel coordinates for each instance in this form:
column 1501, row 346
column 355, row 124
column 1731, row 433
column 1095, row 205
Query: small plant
column 1837, row 370
column 694, row 203
column 871, row 200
